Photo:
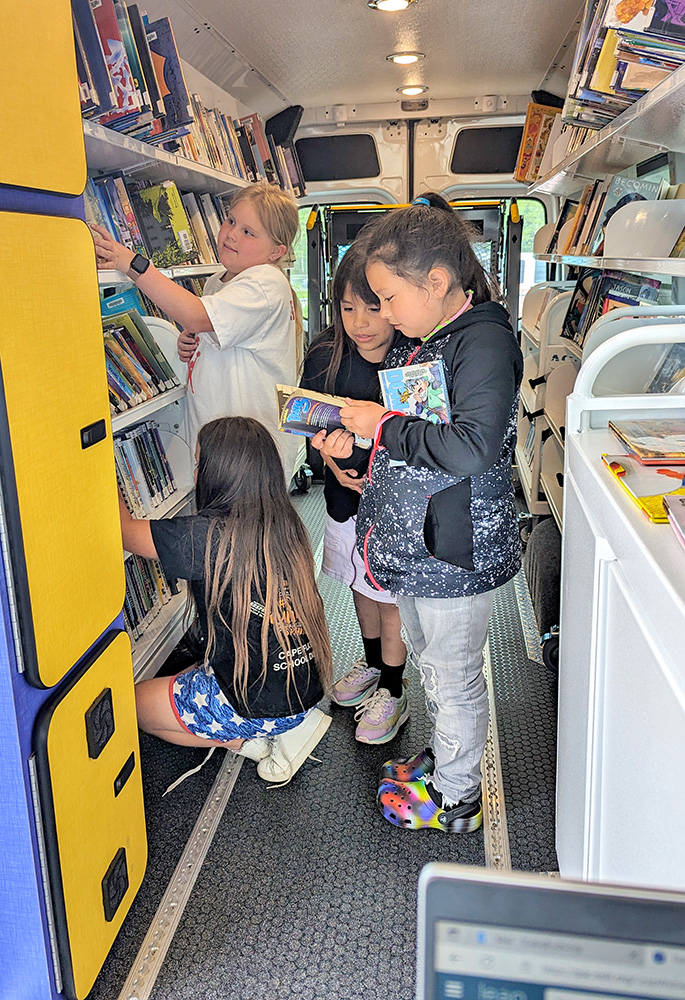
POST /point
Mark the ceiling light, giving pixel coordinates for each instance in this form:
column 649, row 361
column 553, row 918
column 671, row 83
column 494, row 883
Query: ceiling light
column 405, row 58
column 412, row 91
column 389, row 5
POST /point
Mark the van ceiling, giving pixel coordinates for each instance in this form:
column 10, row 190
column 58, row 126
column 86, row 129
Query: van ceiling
column 328, row 52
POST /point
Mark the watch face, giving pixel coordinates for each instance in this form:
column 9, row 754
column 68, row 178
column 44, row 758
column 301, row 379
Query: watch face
column 140, row 264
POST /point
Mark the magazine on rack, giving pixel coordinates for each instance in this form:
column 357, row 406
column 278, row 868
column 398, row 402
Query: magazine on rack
column 304, row 412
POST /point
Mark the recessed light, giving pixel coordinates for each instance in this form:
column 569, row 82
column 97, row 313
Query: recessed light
column 389, row 5
column 405, row 58
column 412, row 91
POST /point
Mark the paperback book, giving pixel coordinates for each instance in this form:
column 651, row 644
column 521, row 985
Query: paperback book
column 417, row 390
column 652, row 442
column 647, row 485
column 305, row 412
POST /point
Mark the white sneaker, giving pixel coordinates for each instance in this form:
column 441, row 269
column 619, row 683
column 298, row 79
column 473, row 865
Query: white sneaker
column 290, row 750
column 256, row 749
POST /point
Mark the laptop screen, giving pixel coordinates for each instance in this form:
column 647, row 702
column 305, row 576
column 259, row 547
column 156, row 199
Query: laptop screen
column 485, row 936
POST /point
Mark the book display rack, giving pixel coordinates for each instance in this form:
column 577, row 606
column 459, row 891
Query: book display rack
column 623, row 576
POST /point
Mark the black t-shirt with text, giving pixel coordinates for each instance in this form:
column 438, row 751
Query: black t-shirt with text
column 181, row 544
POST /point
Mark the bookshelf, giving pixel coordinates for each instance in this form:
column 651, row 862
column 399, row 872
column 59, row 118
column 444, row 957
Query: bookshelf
column 621, row 683
column 661, row 266
column 654, row 124
column 107, row 150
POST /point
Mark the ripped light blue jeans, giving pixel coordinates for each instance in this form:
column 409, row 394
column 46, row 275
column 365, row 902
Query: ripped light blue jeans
column 446, row 637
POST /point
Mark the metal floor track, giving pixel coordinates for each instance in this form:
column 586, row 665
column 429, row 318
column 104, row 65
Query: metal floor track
column 305, row 890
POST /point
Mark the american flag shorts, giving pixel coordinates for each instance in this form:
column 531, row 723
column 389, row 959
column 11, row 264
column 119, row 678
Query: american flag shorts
column 203, row 709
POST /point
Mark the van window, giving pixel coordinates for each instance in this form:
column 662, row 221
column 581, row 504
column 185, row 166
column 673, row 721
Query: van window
column 338, row 157
column 492, row 150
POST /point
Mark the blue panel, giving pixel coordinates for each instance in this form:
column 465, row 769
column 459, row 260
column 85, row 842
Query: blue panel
column 40, row 203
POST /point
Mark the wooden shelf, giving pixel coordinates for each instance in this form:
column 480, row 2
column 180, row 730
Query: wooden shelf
column 107, row 151
column 144, row 410
column 654, row 124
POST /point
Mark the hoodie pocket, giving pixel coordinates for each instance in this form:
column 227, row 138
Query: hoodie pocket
column 448, row 527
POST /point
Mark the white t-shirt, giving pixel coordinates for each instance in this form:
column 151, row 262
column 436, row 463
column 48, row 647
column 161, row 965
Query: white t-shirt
column 252, row 347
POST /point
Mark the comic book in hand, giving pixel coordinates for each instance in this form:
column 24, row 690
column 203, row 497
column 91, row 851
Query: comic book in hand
column 418, row 390
column 305, row 412
column 647, row 485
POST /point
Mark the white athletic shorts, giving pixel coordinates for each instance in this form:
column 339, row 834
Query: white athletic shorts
column 341, row 561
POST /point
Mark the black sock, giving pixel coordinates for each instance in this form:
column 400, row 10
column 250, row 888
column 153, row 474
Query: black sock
column 372, row 652
column 391, row 679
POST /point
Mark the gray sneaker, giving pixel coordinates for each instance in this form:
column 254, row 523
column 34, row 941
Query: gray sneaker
column 380, row 716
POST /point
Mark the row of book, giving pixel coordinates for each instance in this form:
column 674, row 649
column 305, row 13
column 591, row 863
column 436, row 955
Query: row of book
column 137, row 369
column 131, row 79
column 147, row 591
column 587, row 218
column 156, row 219
column 598, row 292
column 144, row 474
column 625, row 48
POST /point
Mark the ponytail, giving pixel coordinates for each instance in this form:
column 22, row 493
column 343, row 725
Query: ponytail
column 430, row 233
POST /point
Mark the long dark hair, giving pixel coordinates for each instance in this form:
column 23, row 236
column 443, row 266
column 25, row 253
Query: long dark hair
column 256, row 543
column 412, row 241
column 333, row 342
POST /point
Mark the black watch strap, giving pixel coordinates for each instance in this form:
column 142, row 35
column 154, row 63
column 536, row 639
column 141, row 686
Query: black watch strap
column 139, row 264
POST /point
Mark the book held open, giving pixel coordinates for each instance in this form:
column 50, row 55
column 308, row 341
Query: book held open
column 305, row 412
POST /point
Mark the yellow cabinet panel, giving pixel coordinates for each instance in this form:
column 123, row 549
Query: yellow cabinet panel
column 55, row 387
column 41, row 131
column 86, row 741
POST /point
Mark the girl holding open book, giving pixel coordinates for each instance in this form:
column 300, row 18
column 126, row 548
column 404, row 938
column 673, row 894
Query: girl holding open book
column 248, row 561
column 240, row 338
column 344, row 361
column 437, row 524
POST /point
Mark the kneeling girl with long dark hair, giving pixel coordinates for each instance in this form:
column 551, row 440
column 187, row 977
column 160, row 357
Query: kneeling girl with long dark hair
column 248, row 561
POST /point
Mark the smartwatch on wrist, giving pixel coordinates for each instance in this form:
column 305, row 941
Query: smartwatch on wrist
column 139, row 264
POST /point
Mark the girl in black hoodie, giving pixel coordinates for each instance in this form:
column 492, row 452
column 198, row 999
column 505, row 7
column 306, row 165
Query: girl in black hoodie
column 437, row 523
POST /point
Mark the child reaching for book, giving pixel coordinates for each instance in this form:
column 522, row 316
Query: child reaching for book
column 248, row 561
column 240, row 338
column 437, row 524
column 344, row 361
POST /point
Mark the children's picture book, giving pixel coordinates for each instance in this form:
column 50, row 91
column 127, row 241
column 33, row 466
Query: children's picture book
column 622, row 191
column 169, row 72
column 165, row 226
column 578, row 302
column 539, row 119
column 417, row 390
column 568, row 210
column 652, row 442
column 669, row 376
column 305, row 412
column 675, row 511
column 647, row 485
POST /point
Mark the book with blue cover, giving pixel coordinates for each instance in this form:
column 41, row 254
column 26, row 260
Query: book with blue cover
column 305, row 412
column 418, row 390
